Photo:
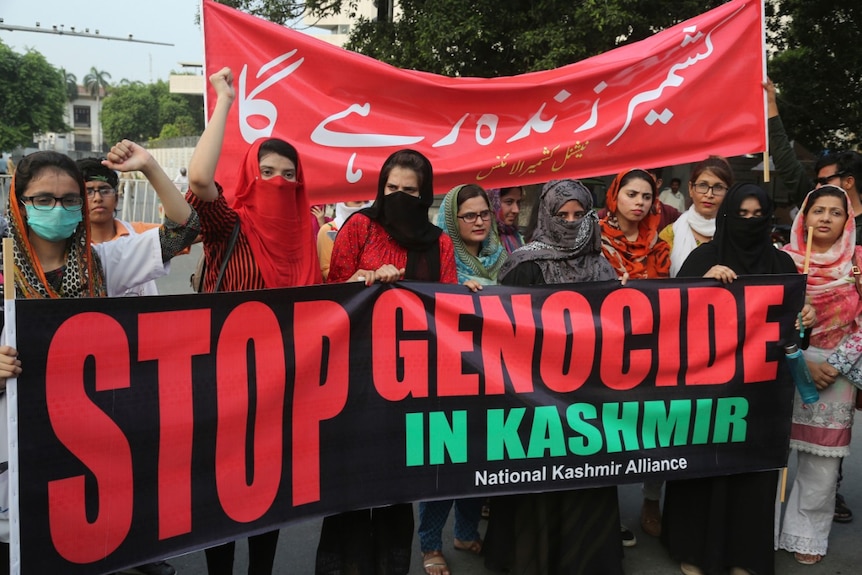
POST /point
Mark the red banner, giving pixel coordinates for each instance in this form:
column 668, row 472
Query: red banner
column 686, row 92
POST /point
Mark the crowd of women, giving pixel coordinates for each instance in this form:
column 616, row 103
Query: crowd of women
column 711, row 525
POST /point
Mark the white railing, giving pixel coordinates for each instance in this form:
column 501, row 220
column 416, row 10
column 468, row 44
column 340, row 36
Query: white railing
column 138, row 202
column 5, row 182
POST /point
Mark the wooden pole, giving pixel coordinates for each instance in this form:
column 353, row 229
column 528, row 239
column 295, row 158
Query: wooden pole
column 8, row 269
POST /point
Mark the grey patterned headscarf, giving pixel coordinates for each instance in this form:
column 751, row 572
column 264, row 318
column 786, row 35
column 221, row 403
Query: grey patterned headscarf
column 566, row 252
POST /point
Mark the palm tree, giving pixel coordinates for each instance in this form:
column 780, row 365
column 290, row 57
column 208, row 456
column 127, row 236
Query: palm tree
column 71, row 82
column 97, row 84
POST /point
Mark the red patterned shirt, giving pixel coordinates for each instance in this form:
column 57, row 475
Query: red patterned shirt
column 363, row 244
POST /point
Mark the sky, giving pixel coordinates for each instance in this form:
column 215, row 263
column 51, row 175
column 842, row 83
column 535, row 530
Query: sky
column 170, row 21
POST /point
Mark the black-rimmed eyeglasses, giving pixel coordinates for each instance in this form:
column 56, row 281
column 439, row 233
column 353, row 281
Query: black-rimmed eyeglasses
column 47, row 202
column 104, row 191
column 471, row 217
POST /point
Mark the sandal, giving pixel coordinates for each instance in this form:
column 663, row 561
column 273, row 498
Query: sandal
column 474, row 547
column 434, row 563
column 651, row 518
column 807, row 559
column 843, row 514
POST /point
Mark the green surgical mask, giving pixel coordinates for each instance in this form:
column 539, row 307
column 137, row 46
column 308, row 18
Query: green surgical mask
column 55, row 224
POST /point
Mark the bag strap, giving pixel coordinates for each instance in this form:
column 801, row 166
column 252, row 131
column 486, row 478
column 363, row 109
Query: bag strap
column 857, row 272
column 230, row 245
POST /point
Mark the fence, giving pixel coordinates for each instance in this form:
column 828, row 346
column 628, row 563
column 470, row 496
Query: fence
column 5, row 182
column 138, row 202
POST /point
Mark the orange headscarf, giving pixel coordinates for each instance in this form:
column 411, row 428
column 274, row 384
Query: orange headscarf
column 646, row 257
column 274, row 216
column 84, row 277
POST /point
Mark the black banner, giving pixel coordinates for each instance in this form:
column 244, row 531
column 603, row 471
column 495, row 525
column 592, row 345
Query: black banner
column 153, row 426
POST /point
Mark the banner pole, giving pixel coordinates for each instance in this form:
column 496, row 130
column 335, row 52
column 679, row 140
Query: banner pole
column 8, row 266
column 764, row 78
column 11, row 396
column 807, row 263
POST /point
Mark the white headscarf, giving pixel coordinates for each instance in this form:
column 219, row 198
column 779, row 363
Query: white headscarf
column 343, row 211
column 684, row 241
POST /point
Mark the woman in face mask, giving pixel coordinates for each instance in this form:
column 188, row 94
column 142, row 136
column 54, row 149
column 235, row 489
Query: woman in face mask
column 275, row 245
column 262, row 230
column 390, row 241
column 394, row 239
column 55, row 259
column 575, row 531
column 54, row 256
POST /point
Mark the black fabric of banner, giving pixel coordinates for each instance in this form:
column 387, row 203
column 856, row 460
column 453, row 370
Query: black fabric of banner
column 149, row 427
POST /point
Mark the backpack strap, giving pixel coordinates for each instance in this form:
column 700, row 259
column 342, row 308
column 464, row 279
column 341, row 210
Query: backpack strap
column 231, row 243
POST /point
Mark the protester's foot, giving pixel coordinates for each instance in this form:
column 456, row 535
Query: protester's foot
column 843, row 514
column 629, row 539
column 651, row 517
column 689, row 569
column 807, row 558
column 474, row 547
column 157, row 568
column 434, row 563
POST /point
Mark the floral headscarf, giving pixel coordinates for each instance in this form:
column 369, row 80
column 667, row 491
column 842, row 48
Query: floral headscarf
column 831, row 284
column 645, row 257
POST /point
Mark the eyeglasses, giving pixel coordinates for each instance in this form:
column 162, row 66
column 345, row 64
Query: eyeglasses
column 717, row 190
column 471, row 217
column 104, row 191
column 47, row 202
column 825, row 180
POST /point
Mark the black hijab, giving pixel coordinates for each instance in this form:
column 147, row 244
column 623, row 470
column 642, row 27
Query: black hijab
column 405, row 217
column 742, row 244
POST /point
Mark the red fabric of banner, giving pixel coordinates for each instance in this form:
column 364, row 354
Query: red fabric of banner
column 685, row 93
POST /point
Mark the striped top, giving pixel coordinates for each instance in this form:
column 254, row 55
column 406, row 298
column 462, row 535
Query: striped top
column 217, row 223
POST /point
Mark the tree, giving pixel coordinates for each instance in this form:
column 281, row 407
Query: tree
column 71, row 82
column 278, row 11
column 130, row 112
column 33, row 97
column 817, row 67
column 183, row 126
column 141, row 111
column 97, row 84
column 489, row 38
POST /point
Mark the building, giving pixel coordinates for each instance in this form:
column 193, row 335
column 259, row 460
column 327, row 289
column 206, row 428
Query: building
column 82, row 114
